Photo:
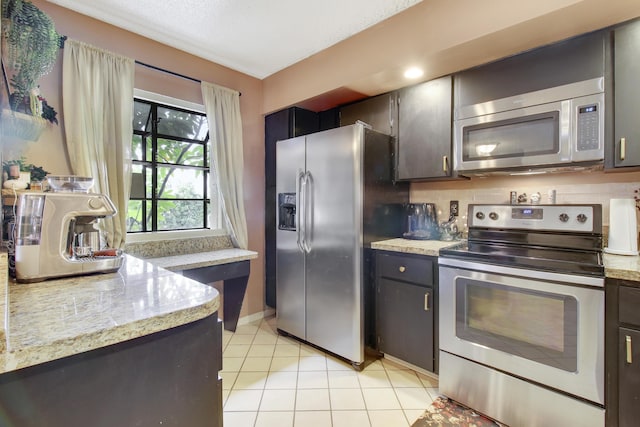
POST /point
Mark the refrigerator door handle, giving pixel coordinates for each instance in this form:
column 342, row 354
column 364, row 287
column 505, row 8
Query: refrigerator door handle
column 300, row 209
column 308, row 212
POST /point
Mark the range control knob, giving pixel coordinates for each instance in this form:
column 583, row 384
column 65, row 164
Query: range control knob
column 480, row 215
column 564, row 217
column 582, row 218
column 493, row 216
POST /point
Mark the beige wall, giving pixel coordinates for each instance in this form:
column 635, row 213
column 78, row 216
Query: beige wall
column 50, row 152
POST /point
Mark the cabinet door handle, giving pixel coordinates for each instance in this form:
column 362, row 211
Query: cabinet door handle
column 623, row 148
column 629, row 349
column 402, row 269
column 426, row 302
column 445, row 163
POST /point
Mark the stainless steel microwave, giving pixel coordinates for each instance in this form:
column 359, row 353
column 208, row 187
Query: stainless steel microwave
column 560, row 126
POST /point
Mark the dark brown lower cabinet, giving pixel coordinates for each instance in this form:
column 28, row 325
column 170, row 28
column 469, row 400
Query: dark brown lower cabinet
column 622, row 353
column 629, row 376
column 406, row 308
column 169, row 378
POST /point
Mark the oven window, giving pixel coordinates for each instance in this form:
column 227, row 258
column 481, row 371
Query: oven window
column 519, row 137
column 538, row 326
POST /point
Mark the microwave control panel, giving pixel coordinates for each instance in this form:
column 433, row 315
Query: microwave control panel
column 588, row 137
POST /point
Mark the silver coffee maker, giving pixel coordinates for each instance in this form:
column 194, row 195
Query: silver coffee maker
column 56, row 235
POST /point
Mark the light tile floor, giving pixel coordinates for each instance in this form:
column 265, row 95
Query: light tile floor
column 275, row 381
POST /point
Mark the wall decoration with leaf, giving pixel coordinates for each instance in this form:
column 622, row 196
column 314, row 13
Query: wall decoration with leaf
column 30, row 45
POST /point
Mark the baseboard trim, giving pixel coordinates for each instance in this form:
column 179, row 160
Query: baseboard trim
column 245, row 320
column 410, row 366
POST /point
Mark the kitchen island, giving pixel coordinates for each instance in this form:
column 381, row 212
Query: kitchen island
column 141, row 346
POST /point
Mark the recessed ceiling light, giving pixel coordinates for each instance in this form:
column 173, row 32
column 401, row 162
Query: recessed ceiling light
column 413, row 73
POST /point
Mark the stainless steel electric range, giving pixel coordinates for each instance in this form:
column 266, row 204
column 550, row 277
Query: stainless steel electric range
column 522, row 315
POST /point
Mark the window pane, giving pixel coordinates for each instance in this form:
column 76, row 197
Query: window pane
column 180, row 214
column 149, row 146
column 179, row 183
column 141, row 116
column 137, row 182
column 183, row 125
column 135, row 216
column 147, row 219
column 136, row 148
column 180, row 153
column 149, row 183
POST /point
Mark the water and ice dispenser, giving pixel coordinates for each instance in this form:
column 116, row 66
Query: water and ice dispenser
column 287, row 211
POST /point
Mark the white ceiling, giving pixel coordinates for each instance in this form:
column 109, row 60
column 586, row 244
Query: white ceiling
column 255, row 37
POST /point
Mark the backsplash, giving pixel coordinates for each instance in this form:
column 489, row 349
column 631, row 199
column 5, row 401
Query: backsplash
column 570, row 188
column 172, row 247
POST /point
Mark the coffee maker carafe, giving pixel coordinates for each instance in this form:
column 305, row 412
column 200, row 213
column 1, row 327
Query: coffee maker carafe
column 56, row 235
column 421, row 221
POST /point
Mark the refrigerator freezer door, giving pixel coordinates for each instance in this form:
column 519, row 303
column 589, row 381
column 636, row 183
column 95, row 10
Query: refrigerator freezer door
column 290, row 260
column 334, row 230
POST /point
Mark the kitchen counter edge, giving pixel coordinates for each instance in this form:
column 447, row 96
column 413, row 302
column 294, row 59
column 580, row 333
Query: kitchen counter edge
column 615, row 266
column 58, row 318
column 419, row 247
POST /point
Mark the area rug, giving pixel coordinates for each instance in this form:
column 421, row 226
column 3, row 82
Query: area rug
column 445, row 412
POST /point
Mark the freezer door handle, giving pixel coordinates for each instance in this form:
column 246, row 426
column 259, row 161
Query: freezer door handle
column 308, row 212
column 299, row 209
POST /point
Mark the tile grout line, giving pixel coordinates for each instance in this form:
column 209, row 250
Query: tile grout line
column 302, row 353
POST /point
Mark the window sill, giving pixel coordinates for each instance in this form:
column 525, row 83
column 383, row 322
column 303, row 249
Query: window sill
column 170, row 235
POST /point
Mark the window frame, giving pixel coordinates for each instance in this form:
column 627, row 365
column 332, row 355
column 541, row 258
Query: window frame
column 215, row 228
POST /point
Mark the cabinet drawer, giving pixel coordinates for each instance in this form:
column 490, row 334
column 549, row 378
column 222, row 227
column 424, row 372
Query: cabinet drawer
column 629, row 302
column 413, row 269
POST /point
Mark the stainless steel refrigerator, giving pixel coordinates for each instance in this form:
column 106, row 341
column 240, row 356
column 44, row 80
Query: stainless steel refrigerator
column 335, row 196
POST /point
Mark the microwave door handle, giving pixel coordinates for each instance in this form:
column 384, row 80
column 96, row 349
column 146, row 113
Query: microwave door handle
column 299, row 209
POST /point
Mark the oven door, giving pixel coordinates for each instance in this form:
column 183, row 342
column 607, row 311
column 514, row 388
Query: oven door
column 544, row 327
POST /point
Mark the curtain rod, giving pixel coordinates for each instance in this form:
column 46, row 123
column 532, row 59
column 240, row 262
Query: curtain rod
column 173, row 73
column 153, row 67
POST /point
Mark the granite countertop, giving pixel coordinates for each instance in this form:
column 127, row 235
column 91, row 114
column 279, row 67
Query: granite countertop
column 58, row 318
column 202, row 259
column 623, row 267
column 420, row 247
column 615, row 266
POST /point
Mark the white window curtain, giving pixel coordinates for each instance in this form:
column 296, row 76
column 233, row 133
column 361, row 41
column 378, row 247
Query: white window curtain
column 225, row 136
column 97, row 88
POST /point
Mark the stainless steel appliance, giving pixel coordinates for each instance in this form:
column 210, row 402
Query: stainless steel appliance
column 56, row 235
column 557, row 127
column 335, row 196
column 522, row 315
column 421, row 221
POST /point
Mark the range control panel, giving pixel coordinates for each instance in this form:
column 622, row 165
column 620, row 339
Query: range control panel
column 569, row 218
